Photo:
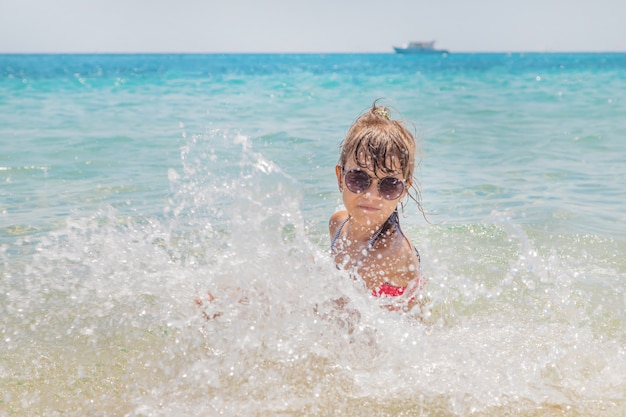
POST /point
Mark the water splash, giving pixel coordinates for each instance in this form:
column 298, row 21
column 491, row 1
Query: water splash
column 226, row 305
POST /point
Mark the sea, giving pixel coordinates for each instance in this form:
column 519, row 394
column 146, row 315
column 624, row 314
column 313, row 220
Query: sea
column 164, row 247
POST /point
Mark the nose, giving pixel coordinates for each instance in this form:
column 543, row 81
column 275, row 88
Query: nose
column 373, row 189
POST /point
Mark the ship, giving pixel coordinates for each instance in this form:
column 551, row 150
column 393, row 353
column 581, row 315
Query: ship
column 419, row 48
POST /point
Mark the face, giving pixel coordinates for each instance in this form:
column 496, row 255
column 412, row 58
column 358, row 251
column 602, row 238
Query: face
column 369, row 208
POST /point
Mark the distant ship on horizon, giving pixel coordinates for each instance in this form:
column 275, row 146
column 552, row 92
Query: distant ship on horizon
column 419, row 48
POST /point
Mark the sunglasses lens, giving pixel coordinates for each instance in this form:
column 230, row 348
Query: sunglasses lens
column 391, row 188
column 357, row 181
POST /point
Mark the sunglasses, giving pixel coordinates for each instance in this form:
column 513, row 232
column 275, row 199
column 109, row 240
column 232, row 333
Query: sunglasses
column 358, row 181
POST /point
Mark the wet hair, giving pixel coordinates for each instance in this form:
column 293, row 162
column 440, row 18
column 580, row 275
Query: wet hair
column 381, row 144
column 377, row 142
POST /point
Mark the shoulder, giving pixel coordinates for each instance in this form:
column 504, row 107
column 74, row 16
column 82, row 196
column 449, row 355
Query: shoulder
column 335, row 220
column 410, row 257
column 404, row 261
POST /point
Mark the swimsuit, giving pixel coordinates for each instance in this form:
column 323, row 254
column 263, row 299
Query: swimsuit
column 388, row 289
column 385, row 288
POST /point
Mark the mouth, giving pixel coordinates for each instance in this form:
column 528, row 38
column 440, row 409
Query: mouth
column 369, row 209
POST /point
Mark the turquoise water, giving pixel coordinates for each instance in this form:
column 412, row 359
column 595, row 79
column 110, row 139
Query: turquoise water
column 134, row 184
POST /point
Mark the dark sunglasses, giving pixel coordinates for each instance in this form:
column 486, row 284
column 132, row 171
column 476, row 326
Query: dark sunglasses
column 358, row 181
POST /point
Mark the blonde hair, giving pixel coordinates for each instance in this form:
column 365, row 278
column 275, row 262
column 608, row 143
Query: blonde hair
column 377, row 142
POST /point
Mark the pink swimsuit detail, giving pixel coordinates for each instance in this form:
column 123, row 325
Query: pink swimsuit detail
column 388, row 289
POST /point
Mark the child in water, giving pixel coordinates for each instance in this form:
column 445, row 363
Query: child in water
column 374, row 174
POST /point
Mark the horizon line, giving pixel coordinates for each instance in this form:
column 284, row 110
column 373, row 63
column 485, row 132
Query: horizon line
column 448, row 52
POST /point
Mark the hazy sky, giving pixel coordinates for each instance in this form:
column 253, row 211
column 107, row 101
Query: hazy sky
column 310, row 25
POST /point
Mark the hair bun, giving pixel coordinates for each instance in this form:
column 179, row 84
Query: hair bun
column 382, row 112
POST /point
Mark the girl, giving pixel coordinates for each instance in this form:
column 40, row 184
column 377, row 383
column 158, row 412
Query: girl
column 374, row 173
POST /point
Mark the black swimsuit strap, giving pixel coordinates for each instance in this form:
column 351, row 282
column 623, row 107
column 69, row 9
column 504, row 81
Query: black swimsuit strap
column 343, row 223
column 392, row 220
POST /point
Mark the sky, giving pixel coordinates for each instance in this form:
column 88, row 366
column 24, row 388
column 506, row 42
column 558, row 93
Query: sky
column 283, row 26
